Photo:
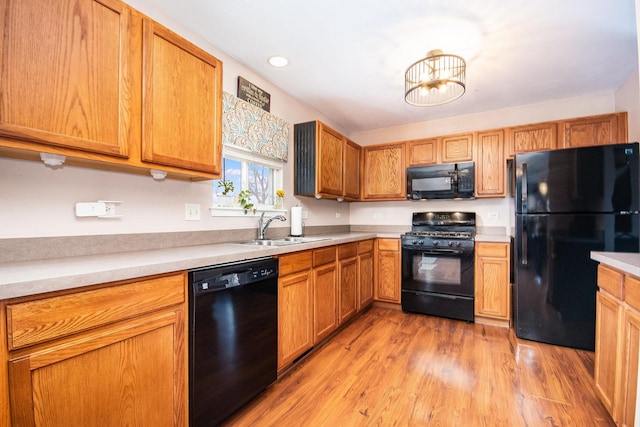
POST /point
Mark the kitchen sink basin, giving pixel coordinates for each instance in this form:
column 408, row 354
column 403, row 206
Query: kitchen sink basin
column 285, row 241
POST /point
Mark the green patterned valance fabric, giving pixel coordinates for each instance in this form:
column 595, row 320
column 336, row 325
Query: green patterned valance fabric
column 251, row 128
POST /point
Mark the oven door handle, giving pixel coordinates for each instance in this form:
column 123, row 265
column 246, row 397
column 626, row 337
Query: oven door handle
column 443, row 251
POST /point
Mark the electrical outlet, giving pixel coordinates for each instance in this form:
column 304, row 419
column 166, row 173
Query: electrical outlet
column 338, row 214
column 377, row 216
column 305, row 214
column 493, row 215
column 192, row 212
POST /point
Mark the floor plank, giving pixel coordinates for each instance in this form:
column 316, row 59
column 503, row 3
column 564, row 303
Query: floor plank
column 390, row 368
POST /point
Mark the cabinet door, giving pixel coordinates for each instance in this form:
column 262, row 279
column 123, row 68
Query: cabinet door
column 629, row 377
column 597, row 130
column 182, row 102
column 132, row 373
column 490, row 165
column 325, row 301
column 422, row 152
column 492, row 286
column 388, row 270
column 65, row 74
column 295, row 317
column 365, row 279
column 348, row 277
column 607, row 366
column 351, row 171
column 384, row 172
column 456, row 148
column 536, row 137
column 330, row 161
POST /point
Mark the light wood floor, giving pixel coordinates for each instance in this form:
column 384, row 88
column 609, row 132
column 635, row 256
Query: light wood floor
column 389, row 368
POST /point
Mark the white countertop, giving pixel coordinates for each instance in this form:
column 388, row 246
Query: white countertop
column 495, row 238
column 623, row 261
column 35, row 277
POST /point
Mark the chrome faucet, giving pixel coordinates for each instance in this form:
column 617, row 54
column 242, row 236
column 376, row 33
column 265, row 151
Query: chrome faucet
column 262, row 225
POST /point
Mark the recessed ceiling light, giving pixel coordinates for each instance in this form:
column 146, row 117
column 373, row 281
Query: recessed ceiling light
column 278, row 61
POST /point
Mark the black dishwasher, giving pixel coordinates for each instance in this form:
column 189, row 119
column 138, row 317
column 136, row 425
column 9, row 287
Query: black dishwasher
column 233, row 337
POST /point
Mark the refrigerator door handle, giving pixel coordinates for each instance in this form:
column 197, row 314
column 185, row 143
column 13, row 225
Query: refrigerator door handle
column 523, row 243
column 525, row 189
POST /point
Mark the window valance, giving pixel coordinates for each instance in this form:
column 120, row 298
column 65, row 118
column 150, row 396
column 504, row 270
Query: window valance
column 251, row 128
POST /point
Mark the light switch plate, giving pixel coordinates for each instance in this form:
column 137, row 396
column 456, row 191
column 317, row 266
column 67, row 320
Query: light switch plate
column 192, row 212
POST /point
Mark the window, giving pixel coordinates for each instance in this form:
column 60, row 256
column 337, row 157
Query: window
column 260, row 175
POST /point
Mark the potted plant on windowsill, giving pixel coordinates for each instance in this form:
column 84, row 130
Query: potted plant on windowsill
column 226, row 198
column 245, row 203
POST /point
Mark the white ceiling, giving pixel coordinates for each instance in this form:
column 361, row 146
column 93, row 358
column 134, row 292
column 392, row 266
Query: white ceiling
column 348, row 57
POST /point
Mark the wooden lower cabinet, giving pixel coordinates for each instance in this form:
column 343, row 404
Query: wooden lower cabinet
column 492, row 299
column 387, row 270
column 348, row 279
column 319, row 290
column 295, row 307
column 609, row 314
column 617, row 343
column 629, row 381
column 76, row 360
column 365, row 273
column 325, row 293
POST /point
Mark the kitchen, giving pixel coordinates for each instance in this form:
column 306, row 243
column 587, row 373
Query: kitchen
column 33, row 210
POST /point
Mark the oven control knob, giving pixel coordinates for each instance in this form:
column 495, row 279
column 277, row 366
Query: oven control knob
column 436, row 243
column 421, row 242
column 458, row 244
column 450, row 243
column 414, row 242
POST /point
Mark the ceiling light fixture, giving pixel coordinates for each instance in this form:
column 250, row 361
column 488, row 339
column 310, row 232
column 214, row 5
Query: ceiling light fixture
column 435, row 80
column 278, row 61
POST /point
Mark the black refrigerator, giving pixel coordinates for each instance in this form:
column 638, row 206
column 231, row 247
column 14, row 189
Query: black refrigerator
column 568, row 203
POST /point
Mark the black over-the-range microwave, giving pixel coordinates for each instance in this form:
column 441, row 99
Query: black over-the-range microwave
column 446, row 181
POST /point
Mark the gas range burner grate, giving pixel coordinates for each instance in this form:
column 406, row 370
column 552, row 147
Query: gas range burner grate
column 442, row 234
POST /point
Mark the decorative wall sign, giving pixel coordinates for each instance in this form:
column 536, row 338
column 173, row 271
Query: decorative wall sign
column 251, row 93
column 247, row 126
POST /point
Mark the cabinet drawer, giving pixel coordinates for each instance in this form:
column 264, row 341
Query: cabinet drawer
column 45, row 319
column 295, row 262
column 365, row 246
column 611, row 281
column 324, row 256
column 348, row 250
column 388, row 244
column 632, row 291
column 496, row 250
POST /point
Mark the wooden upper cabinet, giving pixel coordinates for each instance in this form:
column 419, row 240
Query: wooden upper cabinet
column 65, row 74
column 596, row 130
column 351, row 170
column 490, row 164
column 326, row 163
column 182, row 102
column 384, row 172
column 422, row 152
column 330, row 146
column 535, row 137
column 456, row 148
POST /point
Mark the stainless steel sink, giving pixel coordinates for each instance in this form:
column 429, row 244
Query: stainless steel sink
column 285, row 241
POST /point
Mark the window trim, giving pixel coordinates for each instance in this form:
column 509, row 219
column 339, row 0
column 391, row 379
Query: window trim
column 245, row 157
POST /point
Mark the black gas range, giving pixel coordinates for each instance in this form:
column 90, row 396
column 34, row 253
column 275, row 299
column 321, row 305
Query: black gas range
column 438, row 264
